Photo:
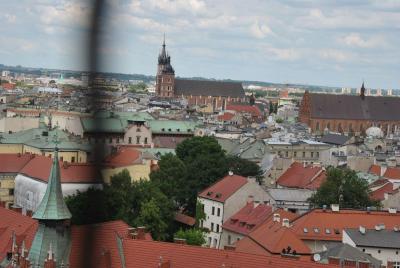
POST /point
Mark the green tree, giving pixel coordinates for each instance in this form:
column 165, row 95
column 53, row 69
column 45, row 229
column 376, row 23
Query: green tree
column 83, row 209
column 244, row 167
column 192, row 236
column 345, row 188
column 150, row 216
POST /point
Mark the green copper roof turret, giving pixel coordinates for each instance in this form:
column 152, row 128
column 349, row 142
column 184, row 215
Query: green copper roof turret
column 52, row 206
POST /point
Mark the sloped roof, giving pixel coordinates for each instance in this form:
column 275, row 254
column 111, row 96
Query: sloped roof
column 298, row 176
column 39, row 168
column 244, row 108
column 392, row 173
column 375, row 169
column 185, row 219
column 387, row 238
column 139, row 253
column 347, row 252
column 224, row 188
column 13, row 163
column 24, row 227
column 386, row 188
column 336, row 139
column 248, row 218
column 124, row 157
column 172, row 127
column 330, row 106
column 208, row 88
column 52, row 206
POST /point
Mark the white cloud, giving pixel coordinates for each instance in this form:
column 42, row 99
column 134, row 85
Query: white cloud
column 177, row 6
column 355, row 40
column 260, row 30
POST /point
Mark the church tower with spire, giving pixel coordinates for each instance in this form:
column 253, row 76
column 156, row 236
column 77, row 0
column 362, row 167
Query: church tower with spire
column 52, row 240
column 165, row 79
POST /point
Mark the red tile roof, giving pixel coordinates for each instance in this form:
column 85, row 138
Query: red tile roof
column 39, row 168
column 314, row 225
column 253, row 110
column 96, row 245
column 379, row 194
column 13, row 163
column 224, row 188
column 139, row 254
column 123, row 157
column 375, row 169
column 392, row 173
column 298, row 176
column 248, row 218
column 24, row 227
column 226, row 116
column 185, row 219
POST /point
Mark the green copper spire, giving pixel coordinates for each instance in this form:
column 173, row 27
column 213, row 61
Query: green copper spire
column 53, row 206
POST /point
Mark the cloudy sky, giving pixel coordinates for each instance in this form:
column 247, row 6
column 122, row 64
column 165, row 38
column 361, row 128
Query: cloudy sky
column 334, row 43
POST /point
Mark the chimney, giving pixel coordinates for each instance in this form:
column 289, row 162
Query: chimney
column 29, row 213
column 276, row 218
column 392, row 210
column 180, row 241
column 141, row 233
column 286, row 223
column 230, row 247
column 335, row 207
column 16, row 209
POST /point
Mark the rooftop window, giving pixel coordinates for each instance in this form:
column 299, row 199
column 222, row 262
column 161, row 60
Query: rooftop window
column 305, row 230
column 327, row 231
column 337, row 231
column 316, row 230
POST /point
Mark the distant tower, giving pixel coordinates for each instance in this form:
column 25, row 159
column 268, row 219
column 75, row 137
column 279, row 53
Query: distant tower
column 362, row 91
column 165, row 80
column 389, row 92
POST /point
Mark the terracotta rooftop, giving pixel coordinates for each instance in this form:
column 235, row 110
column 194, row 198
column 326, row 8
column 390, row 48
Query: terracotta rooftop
column 375, row 169
column 253, row 110
column 248, row 218
column 224, row 188
column 392, row 173
column 317, row 224
column 124, row 157
column 139, row 253
column 39, row 168
column 185, row 219
column 379, row 194
column 298, row 176
column 226, row 116
column 13, row 163
column 24, row 227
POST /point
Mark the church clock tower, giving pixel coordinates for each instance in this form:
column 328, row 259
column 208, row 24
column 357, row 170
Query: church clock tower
column 165, row 80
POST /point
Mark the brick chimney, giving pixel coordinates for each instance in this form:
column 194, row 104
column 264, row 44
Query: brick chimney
column 16, row 209
column 179, row 241
column 141, row 233
column 29, row 213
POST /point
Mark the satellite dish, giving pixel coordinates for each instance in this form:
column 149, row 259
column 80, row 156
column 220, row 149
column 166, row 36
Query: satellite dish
column 316, row 257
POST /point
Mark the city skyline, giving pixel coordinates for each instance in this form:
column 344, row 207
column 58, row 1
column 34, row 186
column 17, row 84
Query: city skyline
column 329, row 44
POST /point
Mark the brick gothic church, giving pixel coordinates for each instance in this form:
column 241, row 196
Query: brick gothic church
column 349, row 113
column 216, row 94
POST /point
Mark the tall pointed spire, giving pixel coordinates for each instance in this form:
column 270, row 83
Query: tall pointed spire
column 52, row 206
column 362, row 91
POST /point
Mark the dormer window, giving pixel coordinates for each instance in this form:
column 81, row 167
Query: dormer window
column 327, row 231
column 163, row 129
column 305, row 230
column 337, row 231
column 316, row 230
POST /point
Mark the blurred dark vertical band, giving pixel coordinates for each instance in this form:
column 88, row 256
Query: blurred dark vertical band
column 93, row 60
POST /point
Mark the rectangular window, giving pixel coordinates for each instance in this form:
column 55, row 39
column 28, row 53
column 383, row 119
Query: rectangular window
column 130, row 140
column 145, row 140
column 312, row 154
column 219, row 212
column 229, row 240
column 304, row 154
column 294, row 154
column 11, row 192
column 213, row 211
column 110, row 140
column 137, row 139
column 72, row 159
column 286, row 154
column 217, row 228
column 117, row 140
column 317, row 154
column 212, row 227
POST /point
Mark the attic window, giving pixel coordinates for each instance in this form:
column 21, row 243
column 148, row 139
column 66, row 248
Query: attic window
column 305, row 230
column 337, row 231
column 327, row 231
column 169, row 130
column 209, row 193
column 316, row 230
column 242, row 223
column 218, row 195
column 163, row 129
column 178, row 129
